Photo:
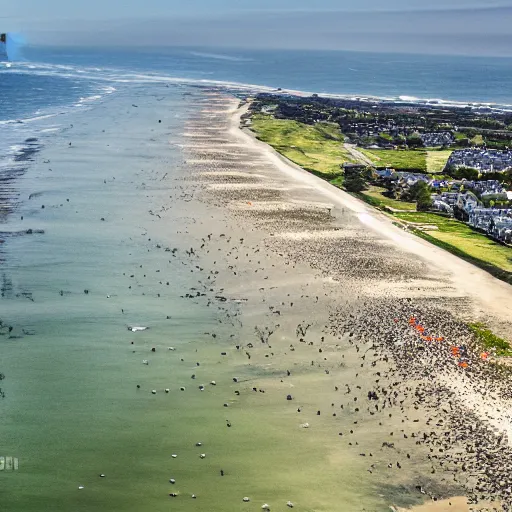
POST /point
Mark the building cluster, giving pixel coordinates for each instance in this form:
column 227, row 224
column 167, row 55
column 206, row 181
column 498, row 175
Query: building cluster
column 460, row 198
column 486, row 188
column 409, row 178
column 437, row 139
column 485, row 160
column 374, row 129
column 496, row 223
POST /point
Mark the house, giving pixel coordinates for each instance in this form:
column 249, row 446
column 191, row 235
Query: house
column 484, row 160
column 437, row 139
column 353, row 168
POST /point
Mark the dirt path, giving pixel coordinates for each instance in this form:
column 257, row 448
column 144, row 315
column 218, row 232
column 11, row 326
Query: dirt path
column 362, row 158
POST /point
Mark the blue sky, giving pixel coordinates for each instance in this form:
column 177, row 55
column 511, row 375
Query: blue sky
column 479, row 27
column 111, row 9
column 102, row 9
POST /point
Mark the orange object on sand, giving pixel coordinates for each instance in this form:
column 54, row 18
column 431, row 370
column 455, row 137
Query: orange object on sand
column 440, row 338
column 463, row 365
column 249, row 203
column 484, row 355
column 412, row 320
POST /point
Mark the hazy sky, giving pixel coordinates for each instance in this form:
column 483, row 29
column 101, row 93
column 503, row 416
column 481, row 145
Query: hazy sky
column 474, row 27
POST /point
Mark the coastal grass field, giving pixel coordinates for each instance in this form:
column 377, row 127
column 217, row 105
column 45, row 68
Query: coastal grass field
column 400, row 160
column 462, row 240
column 436, row 160
column 431, row 161
column 317, row 148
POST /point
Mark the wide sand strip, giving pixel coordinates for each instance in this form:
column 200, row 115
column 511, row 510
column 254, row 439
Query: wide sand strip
column 491, row 296
column 366, row 268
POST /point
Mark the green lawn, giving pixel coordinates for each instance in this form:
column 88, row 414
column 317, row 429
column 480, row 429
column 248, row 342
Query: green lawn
column 478, row 140
column 432, row 161
column 318, row 148
column 398, row 159
column 436, row 160
column 464, row 241
column 489, row 340
column 377, row 198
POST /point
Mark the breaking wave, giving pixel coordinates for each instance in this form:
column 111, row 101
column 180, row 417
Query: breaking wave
column 106, row 75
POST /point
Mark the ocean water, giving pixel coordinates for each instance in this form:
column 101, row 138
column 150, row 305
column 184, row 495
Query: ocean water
column 45, row 84
column 94, row 234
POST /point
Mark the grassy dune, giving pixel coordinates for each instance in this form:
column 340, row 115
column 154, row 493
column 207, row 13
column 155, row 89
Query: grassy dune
column 316, row 148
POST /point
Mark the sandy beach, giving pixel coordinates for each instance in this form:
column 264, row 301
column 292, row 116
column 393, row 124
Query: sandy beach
column 235, row 333
column 364, row 280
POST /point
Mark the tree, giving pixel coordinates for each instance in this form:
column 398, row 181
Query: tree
column 357, row 179
column 460, row 173
column 420, row 192
column 424, row 200
column 414, row 140
column 354, row 183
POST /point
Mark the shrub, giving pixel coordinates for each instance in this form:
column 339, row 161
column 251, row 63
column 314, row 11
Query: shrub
column 460, row 173
column 420, row 192
column 354, row 183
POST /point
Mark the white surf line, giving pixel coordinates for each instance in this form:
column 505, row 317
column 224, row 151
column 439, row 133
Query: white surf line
column 490, row 294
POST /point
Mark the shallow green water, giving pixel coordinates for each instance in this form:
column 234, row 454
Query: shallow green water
column 72, row 409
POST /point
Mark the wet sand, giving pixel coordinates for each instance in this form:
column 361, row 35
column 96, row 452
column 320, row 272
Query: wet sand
column 457, row 504
column 358, row 280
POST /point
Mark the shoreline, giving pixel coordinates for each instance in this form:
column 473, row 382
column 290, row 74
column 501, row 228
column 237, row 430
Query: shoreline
column 493, row 295
column 459, row 272
column 279, row 342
